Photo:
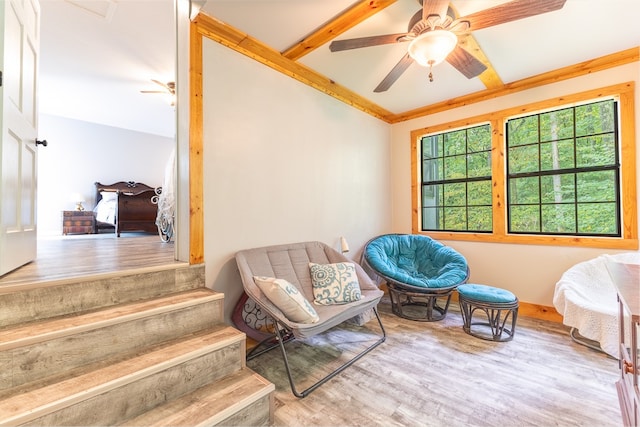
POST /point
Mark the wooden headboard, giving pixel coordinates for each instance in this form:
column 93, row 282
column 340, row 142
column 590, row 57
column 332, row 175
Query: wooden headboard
column 136, row 208
column 127, row 187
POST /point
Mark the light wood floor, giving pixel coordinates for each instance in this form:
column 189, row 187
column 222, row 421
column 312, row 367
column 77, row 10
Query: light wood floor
column 433, row 374
column 70, row 256
column 425, row 374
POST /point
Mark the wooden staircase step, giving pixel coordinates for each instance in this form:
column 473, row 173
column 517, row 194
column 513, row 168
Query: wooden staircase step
column 41, row 300
column 53, row 349
column 30, row 333
column 130, row 387
column 242, row 398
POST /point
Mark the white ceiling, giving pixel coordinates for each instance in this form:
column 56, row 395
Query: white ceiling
column 94, row 67
column 581, row 30
column 93, row 64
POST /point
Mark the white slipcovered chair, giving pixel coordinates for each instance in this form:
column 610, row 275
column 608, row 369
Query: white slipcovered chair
column 586, row 298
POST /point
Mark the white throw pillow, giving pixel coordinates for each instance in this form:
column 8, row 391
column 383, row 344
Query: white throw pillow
column 288, row 299
column 109, row 195
column 334, row 283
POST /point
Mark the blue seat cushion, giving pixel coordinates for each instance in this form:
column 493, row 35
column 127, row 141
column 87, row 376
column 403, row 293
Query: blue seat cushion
column 484, row 293
column 416, row 260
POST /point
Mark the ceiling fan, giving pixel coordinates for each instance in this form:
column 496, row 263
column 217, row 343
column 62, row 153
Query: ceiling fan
column 168, row 88
column 433, row 35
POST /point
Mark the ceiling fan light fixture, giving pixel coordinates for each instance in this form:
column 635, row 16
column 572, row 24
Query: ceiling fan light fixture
column 432, row 47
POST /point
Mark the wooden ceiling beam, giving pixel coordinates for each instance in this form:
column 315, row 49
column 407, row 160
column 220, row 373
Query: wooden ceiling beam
column 348, row 19
column 587, row 67
column 489, row 77
column 243, row 43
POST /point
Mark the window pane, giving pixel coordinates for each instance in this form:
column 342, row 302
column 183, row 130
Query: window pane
column 479, row 164
column 556, row 155
column 596, row 186
column 522, row 131
column 455, row 218
column 432, row 218
column 599, row 150
column 523, row 159
column 524, row 190
column 479, row 139
column 598, row 117
column 429, row 145
column 455, row 194
column 480, row 219
column 429, row 170
column 479, row 193
column 455, row 142
column 559, row 218
column 556, row 125
column 558, row 188
column 597, row 218
column 455, row 167
column 524, row 219
column 429, row 195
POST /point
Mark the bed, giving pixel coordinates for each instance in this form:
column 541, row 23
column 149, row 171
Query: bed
column 126, row 206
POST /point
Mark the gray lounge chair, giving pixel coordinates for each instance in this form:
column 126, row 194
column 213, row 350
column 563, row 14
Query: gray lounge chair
column 291, row 262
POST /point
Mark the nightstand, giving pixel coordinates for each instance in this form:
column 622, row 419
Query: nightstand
column 78, row 222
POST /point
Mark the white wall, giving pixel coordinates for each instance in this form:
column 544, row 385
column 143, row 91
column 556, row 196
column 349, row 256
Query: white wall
column 529, row 271
column 81, row 153
column 284, row 163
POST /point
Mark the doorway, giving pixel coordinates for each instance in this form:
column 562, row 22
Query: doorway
column 97, row 58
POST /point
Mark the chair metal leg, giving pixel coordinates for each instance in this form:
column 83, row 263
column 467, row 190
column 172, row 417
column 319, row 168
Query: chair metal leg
column 576, row 337
column 274, row 339
column 323, row 380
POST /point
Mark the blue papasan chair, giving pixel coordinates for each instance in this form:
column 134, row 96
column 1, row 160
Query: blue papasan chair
column 421, row 273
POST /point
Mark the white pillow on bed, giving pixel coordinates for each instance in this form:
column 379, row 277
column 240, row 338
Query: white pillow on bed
column 108, row 196
column 106, row 208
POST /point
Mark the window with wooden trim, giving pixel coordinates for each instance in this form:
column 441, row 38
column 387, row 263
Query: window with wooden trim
column 558, row 172
column 456, row 180
column 563, row 171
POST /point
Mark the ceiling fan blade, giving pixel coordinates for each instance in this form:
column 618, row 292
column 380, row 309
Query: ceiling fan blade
column 466, row 63
column 394, row 74
column 159, row 83
column 434, row 7
column 512, row 11
column 357, row 43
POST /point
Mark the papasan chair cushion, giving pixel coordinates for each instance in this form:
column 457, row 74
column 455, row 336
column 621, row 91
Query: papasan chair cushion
column 416, row 260
column 586, row 298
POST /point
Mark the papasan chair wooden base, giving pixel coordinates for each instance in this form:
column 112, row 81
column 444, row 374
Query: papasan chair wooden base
column 421, row 273
column 420, row 305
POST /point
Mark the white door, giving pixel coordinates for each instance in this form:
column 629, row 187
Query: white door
column 19, row 47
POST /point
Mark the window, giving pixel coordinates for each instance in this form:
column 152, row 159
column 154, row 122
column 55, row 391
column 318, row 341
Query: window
column 563, row 171
column 456, row 180
column 558, row 172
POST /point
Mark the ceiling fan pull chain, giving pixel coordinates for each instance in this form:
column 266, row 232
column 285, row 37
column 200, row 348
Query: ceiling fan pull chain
column 430, row 72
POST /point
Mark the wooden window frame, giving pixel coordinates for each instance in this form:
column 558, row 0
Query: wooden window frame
column 629, row 239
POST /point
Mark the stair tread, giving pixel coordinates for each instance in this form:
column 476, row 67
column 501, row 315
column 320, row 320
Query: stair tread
column 92, row 383
column 47, row 329
column 210, row 404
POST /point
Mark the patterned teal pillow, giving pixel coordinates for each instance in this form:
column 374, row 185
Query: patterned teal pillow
column 334, row 283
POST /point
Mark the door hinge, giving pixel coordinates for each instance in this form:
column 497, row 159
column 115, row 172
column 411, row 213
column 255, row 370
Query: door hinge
column 0, row 78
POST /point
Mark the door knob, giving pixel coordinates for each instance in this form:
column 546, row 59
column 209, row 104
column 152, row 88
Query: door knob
column 43, row 142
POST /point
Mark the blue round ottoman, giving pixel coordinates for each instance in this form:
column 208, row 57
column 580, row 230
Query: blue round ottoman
column 499, row 305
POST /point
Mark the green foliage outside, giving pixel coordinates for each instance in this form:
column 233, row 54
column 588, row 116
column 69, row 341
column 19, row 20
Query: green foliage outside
column 562, row 174
column 456, row 172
